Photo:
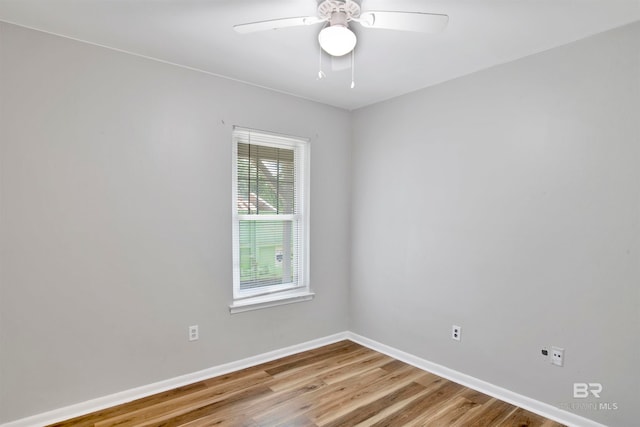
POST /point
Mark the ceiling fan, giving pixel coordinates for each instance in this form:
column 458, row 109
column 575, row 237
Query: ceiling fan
column 336, row 38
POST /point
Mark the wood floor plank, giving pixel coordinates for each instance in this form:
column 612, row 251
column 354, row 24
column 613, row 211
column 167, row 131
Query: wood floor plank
column 523, row 418
column 449, row 412
column 342, row 373
column 364, row 412
column 342, row 384
column 308, row 359
column 475, row 396
column 332, row 370
column 194, row 413
column 327, row 351
column 322, row 414
column 400, row 376
column 304, row 404
column 416, row 409
column 385, row 412
column 256, row 409
column 327, row 363
column 490, row 414
column 146, row 402
column 182, row 404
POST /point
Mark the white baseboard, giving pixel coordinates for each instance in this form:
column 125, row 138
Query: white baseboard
column 93, row 405
column 535, row 406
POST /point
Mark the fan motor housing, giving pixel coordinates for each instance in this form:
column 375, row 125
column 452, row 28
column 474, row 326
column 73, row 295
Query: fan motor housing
column 328, row 9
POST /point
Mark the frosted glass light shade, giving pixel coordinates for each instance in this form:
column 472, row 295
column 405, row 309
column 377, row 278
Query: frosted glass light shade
column 337, row 40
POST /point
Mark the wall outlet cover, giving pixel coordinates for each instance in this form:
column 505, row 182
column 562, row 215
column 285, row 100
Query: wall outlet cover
column 557, row 356
column 456, row 332
column 193, row 333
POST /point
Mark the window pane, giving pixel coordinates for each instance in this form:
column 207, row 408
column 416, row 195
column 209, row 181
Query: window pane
column 266, row 177
column 267, row 253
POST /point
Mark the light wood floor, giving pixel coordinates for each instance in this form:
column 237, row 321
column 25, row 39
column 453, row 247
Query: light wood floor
column 342, row 384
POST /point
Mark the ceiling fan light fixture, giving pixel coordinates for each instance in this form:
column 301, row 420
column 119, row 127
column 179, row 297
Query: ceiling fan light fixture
column 337, row 40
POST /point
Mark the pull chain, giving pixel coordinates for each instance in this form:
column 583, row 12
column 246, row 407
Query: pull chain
column 353, row 69
column 321, row 74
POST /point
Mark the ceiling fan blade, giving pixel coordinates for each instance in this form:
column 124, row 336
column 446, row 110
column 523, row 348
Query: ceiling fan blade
column 404, row 21
column 274, row 24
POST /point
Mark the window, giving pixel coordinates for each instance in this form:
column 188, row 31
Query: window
column 270, row 221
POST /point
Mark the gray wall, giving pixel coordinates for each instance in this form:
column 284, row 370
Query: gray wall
column 115, row 221
column 508, row 202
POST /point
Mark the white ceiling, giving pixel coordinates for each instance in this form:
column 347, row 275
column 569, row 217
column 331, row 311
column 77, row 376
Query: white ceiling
column 199, row 34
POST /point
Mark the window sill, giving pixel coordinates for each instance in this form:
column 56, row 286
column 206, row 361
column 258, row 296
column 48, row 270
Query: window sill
column 265, row 301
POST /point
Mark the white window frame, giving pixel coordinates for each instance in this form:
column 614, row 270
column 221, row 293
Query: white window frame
column 269, row 296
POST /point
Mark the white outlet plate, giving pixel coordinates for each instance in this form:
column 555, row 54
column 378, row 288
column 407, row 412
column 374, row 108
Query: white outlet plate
column 456, row 332
column 557, row 356
column 193, row 333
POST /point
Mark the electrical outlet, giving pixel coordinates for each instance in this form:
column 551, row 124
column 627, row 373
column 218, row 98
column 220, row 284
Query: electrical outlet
column 193, row 333
column 557, row 356
column 456, row 333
